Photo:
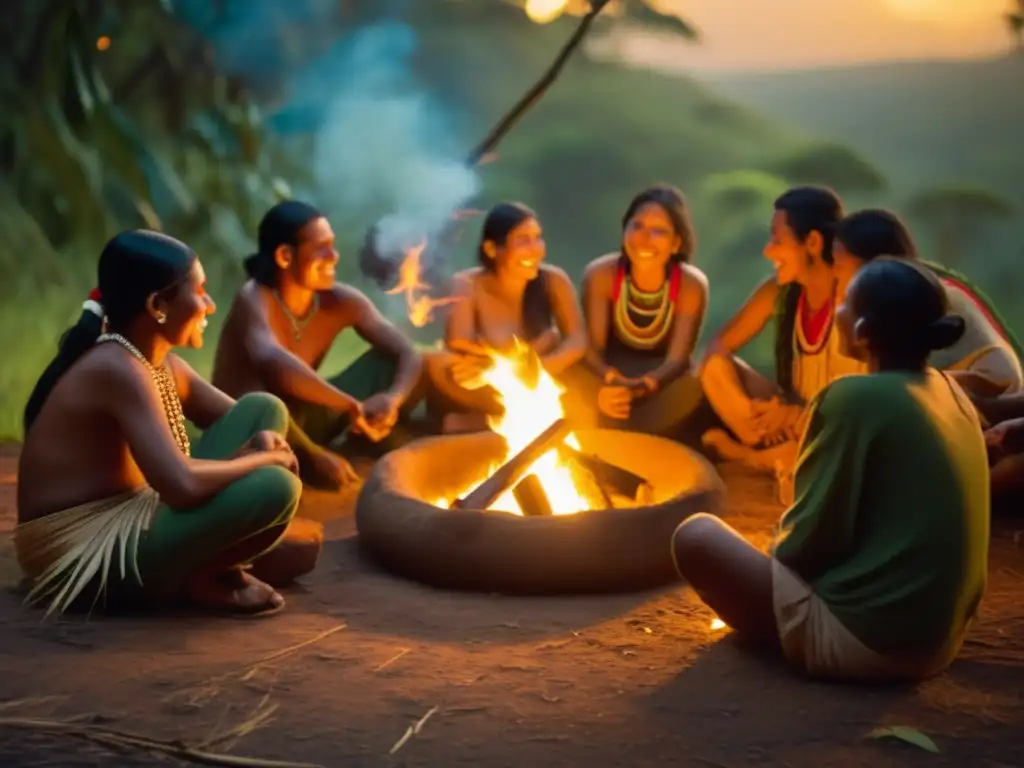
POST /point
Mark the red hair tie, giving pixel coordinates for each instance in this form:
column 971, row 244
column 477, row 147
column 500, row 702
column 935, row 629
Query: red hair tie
column 95, row 295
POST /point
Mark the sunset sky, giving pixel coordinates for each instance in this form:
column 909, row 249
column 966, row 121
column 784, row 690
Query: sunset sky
column 782, row 34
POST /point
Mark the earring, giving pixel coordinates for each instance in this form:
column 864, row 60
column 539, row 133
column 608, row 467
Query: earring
column 161, row 318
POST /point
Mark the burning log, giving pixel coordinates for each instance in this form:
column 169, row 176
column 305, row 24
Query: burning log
column 531, row 497
column 609, row 477
column 509, row 473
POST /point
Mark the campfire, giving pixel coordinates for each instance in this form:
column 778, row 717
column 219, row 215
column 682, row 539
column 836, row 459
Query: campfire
column 543, row 471
column 536, row 471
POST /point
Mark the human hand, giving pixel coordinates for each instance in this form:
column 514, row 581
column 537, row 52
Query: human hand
column 775, row 421
column 283, row 457
column 333, row 468
column 615, row 402
column 267, row 440
column 1006, row 436
column 380, row 411
column 468, row 371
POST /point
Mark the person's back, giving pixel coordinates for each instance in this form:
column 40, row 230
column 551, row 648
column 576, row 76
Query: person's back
column 75, row 438
column 911, row 483
column 880, row 562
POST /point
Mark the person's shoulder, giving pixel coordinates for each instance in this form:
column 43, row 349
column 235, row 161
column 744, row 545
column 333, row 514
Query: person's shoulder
column 107, row 368
column 342, row 296
column 693, row 276
column 602, row 269
column 555, row 276
column 465, row 279
column 864, row 392
column 250, row 297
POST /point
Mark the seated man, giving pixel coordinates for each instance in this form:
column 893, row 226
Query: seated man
column 986, row 359
column 112, row 498
column 880, row 565
column 765, row 417
column 281, row 325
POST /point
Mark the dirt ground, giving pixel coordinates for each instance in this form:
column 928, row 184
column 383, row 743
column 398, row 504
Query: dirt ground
column 632, row 680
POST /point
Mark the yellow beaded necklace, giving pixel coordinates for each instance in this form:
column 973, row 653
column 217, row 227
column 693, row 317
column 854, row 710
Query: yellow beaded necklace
column 164, row 381
column 657, row 306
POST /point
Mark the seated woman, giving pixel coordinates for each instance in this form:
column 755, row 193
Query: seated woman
column 880, row 565
column 986, row 359
column 764, row 418
column 645, row 306
column 512, row 296
column 112, row 498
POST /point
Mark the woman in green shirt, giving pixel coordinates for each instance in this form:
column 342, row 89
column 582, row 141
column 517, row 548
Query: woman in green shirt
column 880, row 564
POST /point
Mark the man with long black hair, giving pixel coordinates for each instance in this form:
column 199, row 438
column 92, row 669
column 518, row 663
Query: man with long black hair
column 281, row 325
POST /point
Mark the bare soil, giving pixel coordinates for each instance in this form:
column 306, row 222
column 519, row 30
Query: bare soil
column 628, row 680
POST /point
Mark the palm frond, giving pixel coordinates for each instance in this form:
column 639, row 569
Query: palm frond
column 78, row 546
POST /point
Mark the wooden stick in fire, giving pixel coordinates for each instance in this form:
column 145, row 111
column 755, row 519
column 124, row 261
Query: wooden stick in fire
column 512, row 471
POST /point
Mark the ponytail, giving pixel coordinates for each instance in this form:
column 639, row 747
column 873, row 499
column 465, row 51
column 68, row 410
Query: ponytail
column 76, row 341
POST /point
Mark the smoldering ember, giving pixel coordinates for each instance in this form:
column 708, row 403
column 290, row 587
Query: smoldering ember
column 511, row 383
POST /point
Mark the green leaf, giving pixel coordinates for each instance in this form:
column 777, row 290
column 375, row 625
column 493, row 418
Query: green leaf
column 905, row 734
column 671, row 22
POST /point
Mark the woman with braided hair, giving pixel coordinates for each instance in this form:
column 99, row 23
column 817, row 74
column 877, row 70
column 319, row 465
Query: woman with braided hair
column 644, row 305
column 113, row 499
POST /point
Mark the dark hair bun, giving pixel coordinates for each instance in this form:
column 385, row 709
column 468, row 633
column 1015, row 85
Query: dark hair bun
column 944, row 332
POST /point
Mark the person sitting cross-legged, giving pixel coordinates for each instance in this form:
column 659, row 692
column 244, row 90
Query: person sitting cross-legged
column 880, row 563
column 114, row 502
column 282, row 323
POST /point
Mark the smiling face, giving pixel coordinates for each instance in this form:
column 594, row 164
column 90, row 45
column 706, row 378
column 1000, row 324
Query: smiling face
column 785, row 251
column 522, row 252
column 650, row 239
column 312, row 263
column 186, row 309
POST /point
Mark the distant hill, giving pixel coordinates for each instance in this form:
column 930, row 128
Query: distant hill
column 923, row 122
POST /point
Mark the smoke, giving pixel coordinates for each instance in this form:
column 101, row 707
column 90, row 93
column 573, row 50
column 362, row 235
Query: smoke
column 386, row 149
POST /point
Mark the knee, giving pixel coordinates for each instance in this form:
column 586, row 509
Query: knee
column 714, row 370
column 693, row 539
column 276, row 493
column 268, row 411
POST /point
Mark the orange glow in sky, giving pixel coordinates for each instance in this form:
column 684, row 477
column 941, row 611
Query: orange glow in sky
column 749, row 34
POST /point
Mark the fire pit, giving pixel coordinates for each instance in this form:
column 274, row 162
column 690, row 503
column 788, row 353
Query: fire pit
column 404, row 524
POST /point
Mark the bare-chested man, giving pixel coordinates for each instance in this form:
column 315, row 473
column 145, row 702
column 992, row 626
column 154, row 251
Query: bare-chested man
column 280, row 328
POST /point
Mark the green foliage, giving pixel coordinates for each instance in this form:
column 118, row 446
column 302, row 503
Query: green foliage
column 907, row 736
column 834, row 165
column 155, row 136
column 957, row 215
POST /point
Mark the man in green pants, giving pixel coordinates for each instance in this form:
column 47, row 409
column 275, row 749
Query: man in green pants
column 281, row 325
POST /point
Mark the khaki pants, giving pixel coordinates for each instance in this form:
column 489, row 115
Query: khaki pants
column 815, row 641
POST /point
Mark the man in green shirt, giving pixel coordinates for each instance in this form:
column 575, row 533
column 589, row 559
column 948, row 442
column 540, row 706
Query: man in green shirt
column 881, row 562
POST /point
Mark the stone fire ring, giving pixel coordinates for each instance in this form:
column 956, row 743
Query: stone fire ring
column 610, row 550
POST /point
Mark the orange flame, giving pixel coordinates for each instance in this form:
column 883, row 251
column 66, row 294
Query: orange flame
column 419, row 308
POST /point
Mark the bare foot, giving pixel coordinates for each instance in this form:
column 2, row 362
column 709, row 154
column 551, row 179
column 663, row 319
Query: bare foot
column 725, row 446
column 234, row 591
column 762, row 458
